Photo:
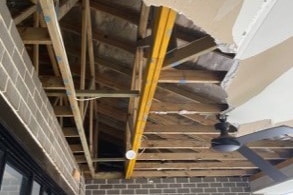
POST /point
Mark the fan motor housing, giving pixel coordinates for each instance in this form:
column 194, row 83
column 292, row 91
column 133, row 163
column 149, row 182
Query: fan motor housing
column 225, row 144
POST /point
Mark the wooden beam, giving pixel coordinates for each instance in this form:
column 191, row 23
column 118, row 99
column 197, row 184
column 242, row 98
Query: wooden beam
column 106, row 93
column 195, row 144
column 112, row 112
column 180, row 129
column 191, row 50
column 65, row 8
column 202, row 119
column 62, row 111
column 76, row 148
column 162, row 32
column 102, row 37
column 195, row 173
column 195, row 165
column 108, row 159
column 34, row 35
column 70, row 132
column 58, row 45
column 108, row 175
column 188, row 108
column 206, row 155
column 52, row 82
column 25, row 14
column 191, row 76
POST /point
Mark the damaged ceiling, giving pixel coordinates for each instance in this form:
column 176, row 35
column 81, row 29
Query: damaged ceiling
column 125, row 76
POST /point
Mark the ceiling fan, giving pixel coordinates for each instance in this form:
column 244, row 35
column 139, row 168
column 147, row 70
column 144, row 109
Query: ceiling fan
column 226, row 143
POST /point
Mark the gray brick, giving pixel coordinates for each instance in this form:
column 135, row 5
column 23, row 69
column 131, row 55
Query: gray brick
column 209, row 179
column 119, row 186
column 141, row 180
column 210, row 189
column 38, row 100
column 24, row 112
column 9, row 67
column 147, row 186
column 155, row 191
column 12, row 95
column 88, row 192
column 223, row 189
column 95, row 192
column 31, row 104
column 182, row 180
column 141, row 191
column 113, row 181
column 30, row 84
column 244, row 193
column 229, row 184
column 99, row 181
column 168, row 180
column 161, row 185
column 16, row 37
column 176, row 185
column 196, row 179
column 128, row 191
column 19, row 64
column 113, row 192
column 169, row 191
column 3, row 79
column 196, row 190
column 2, row 50
column 5, row 15
column 241, row 184
column 22, row 88
column 189, row 185
column 216, row 185
column 34, row 126
column 237, row 189
column 203, row 185
column 222, row 179
column 28, row 62
column 107, row 186
column 183, row 190
column 133, row 186
column 6, row 38
column 235, row 179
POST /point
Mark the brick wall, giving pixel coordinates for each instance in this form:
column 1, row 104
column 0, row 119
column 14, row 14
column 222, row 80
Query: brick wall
column 21, row 88
column 172, row 186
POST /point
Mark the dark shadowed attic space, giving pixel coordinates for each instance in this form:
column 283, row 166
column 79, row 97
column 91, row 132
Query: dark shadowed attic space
column 142, row 80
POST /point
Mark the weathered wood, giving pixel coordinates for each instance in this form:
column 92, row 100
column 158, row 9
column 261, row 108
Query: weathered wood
column 52, row 82
column 76, row 148
column 195, row 173
column 108, row 175
column 58, row 45
column 106, row 93
column 202, row 119
column 180, row 129
column 25, row 14
column 112, row 112
column 195, row 144
column 191, row 50
column 62, row 111
column 206, row 155
column 70, row 132
column 65, row 8
column 191, row 76
column 34, row 35
column 102, row 37
column 108, row 159
column 119, row 11
column 195, row 165
column 188, row 108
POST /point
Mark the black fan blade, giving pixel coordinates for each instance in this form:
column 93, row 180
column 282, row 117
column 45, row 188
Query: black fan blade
column 264, row 165
column 265, row 134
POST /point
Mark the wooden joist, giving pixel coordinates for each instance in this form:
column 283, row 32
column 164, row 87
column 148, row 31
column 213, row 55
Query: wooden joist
column 195, row 165
column 180, row 129
column 66, row 7
column 107, row 93
column 34, row 35
column 63, row 111
column 70, row 132
column 195, row 144
column 52, row 82
column 194, row 173
column 191, row 50
column 202, row 119
column 102, row 37
column 108, row 175
column 25, row 14
column 76, row 148
column 162, row 32
column 115, row 10
column 188, row 108
column 206, row 155
column 51, row 19
column 191, row 76
column 112, row 112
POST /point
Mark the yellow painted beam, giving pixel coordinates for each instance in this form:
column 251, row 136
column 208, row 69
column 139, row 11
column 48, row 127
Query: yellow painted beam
column 162, row 32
